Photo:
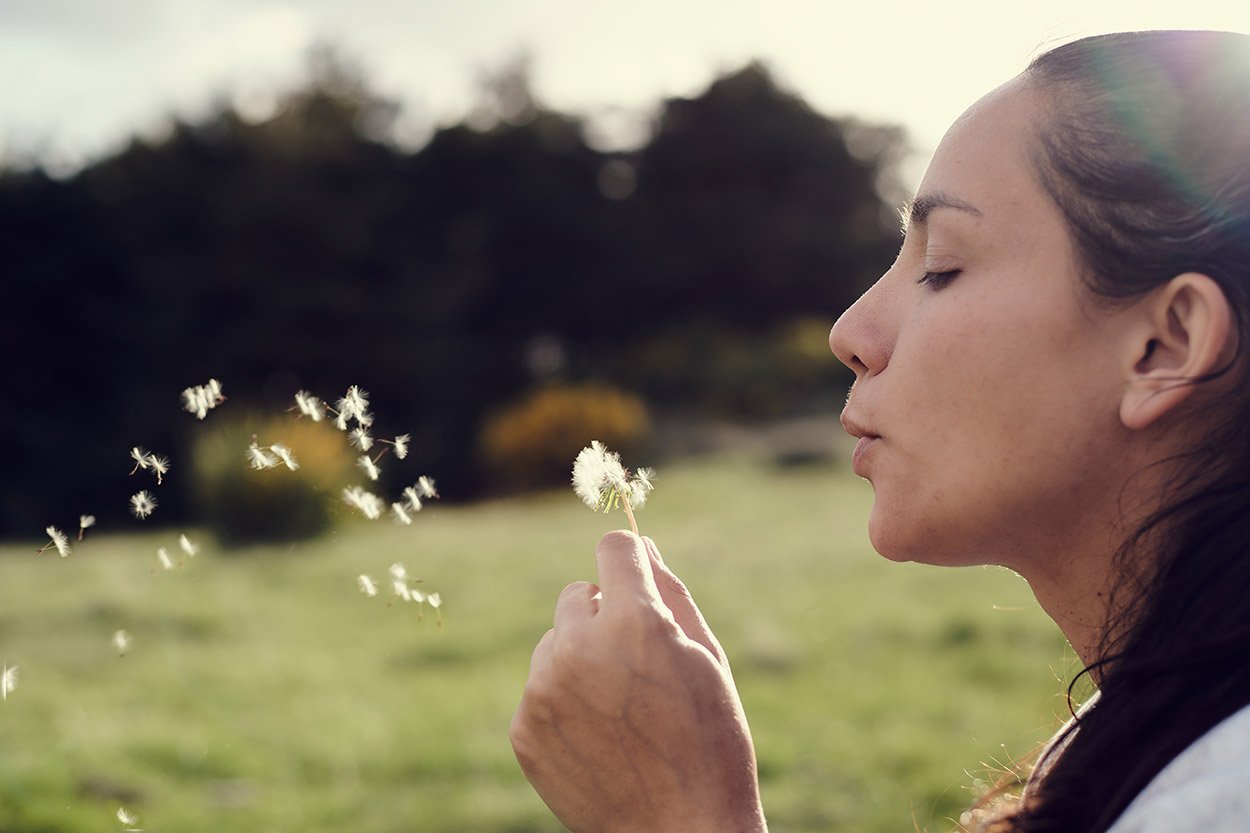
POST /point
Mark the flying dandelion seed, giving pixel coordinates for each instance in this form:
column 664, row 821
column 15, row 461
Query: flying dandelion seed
column 121, row 641
column 436, row 602
column 369, row 467
column 369, row 504
column 366, row 585
column 162, row 555
column 159, row 466
column 84, row 521
column 603, row 483
column 358, row 399
column 400, row 445
column 141, row 457
column 398, row 571
column 400, row 589
column 189, row 548
column 128, row 819
column 425, row 487
column 310, row 406
column 359, row 437
column 284, row 454
column 414, row 499
column 400, row 513
column 8, row 681
column 260, row 458
column 142, row 503
column 58, row 540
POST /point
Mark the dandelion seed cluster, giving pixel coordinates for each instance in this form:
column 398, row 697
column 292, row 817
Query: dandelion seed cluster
column 199, row 400
column 604, row 484
column 402, row 589
column 353, row 407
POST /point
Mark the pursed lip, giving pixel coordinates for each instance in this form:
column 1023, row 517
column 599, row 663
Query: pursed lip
column 866, row 439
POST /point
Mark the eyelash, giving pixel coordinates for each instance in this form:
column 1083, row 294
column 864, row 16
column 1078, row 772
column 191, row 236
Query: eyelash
column 937, row 280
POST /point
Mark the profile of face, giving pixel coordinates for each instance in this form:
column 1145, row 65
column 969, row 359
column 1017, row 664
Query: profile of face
column 987, row 381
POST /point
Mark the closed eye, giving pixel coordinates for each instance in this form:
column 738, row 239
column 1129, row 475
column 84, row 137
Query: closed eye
column 937, row 280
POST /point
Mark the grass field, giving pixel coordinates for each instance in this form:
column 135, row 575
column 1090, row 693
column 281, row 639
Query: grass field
column 263, row 692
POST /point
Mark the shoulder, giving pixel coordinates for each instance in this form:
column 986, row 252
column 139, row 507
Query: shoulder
column 1206, row 787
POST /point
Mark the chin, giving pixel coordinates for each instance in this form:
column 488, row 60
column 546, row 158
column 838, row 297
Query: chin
column 895, row 545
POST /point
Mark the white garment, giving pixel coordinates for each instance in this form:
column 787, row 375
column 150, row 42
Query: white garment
column 1205, row 789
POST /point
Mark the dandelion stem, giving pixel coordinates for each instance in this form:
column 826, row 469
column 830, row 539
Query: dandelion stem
column 629, row 513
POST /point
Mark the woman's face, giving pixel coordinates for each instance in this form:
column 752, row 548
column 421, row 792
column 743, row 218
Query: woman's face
column 987, row 383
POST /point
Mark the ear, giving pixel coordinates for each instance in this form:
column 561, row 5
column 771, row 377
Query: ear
column 1186, row 332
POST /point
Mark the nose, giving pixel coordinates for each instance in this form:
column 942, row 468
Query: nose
column 859, row 339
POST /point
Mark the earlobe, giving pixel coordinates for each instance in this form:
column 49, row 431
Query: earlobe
column 1186, row 333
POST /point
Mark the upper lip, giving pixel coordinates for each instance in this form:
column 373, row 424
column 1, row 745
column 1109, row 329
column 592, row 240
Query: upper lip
column 855, row 428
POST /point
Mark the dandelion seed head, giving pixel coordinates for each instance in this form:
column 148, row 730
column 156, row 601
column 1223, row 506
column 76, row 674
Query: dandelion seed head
column 187, row 546
column 400, row 513
column 142, row 503
column 598, row 476
column 366, row 585
column 400, row 444
column 8, row 680
column 369, row 467
column 602, row 482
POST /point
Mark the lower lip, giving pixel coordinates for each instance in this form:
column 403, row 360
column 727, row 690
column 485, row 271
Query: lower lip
column 857, row 456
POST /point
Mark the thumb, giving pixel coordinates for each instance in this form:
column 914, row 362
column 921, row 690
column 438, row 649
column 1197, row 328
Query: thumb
column 678, row 600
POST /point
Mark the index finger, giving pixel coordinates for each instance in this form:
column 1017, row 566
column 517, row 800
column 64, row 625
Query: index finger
column 625, row 569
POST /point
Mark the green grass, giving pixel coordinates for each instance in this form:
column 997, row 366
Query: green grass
column 264, row 693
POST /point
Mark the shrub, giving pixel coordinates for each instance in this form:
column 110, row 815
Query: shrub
column 242, row 505
column 532, row 442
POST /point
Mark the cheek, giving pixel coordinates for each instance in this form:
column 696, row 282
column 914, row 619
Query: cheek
column 978, row 436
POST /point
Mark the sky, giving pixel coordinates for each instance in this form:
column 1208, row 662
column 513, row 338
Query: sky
column 78, row 78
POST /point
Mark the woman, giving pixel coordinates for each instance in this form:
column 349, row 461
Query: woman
column 1052, row 378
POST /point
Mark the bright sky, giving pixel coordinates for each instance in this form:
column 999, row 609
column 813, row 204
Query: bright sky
column 77, row 77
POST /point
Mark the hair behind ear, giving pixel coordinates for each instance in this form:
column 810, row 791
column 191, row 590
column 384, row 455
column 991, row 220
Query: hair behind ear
column 1188, row 336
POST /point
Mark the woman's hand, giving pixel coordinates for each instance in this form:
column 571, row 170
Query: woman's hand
column 630, row 720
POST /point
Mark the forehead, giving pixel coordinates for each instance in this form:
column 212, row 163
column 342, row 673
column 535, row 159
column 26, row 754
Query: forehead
column 985, row 159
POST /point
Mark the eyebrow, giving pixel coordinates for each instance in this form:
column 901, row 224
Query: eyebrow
column 917, row 211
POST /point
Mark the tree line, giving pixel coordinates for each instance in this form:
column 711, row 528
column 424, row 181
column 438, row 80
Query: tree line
column 304, row 250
